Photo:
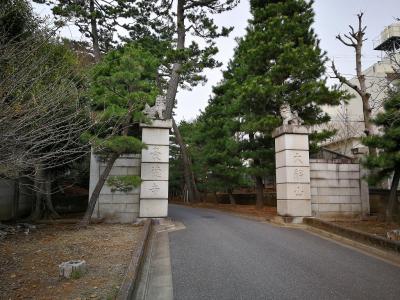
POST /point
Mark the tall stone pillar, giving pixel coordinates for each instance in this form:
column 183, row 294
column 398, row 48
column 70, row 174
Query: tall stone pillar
column 154, row 169
column 292, row 172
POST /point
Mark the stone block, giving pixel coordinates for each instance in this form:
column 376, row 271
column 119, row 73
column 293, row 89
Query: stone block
column 155, row 153
column 105, row 198
column 289, row 128
column 345, row 207
column 334, row 199
column 294, row 208
column 154, row 171
column 154, row 190
column 328, row 207
column 300, row 191
column 127, row 162
column 293, row 175
column 132, row 208
column 72, row 268
column 107, row 190
column 153, row 208
column 133, row 171
column 121, row 217
column 118, row 171
column 110, row 208
column 125, row 198
column 333, row 175
column 318, row 166
column 292, row 158
column 356, row 207
column 349, row 167
column 155, row 136
column 158, row 124
column 335, row 183
column 329, row 191
column 291, row 142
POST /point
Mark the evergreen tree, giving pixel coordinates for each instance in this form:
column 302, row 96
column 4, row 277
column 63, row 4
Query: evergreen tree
column 220, row 162
column 123, row 82
column 98, row 20
column 387, row 162
column 183, row 62
column 278, row 61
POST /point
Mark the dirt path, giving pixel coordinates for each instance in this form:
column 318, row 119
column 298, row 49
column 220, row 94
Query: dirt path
column 29, row 263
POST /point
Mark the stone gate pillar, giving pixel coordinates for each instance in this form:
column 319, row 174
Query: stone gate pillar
column 292, row 172
column 154, row 169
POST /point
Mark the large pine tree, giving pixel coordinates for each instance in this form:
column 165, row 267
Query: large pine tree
column 278, row 61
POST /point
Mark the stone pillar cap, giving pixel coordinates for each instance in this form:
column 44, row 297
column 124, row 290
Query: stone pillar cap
column 156, row 123
column 290, row 129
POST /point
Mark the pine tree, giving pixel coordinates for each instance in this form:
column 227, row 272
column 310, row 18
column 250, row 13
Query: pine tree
column 278, row 61
column 123, row 82
column 184, row 63
column 98, row 20
column 221, row 162
column 387, row 162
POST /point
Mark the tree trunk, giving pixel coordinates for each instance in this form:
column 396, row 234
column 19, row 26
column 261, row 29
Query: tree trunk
column 392, row 196
column 38, row 189
column 259, row 192
column 231, row 198
column 96, row 192
column 174, row 80
column 94, row 32
column 16, row 199
column 48, row 204
column 193, row 193
column 365, row 96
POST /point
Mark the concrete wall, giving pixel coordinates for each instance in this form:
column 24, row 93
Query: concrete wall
column 336, row 189
column 8, row 208
column 116, row 206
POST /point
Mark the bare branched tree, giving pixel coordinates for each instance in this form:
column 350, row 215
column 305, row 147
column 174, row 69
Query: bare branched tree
column 42, row 115
column 355, row 39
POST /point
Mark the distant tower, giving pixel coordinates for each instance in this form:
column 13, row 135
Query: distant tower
column 389, row 40
column 389, row 43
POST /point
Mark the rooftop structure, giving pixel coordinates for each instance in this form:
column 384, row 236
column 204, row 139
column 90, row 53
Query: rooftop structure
column 389, row 39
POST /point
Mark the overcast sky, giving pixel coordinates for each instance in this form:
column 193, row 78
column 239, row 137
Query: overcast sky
column 331, row 17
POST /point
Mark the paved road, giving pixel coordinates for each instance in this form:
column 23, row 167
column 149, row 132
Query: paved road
column 219, row 256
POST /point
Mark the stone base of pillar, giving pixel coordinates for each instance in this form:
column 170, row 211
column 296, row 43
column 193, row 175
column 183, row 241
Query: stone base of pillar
column 154, row 169
column 292, row 173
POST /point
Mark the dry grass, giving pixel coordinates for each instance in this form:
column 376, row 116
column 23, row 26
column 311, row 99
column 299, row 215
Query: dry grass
column 29, row 263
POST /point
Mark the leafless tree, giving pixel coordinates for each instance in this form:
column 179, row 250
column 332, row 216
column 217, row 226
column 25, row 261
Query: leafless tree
column 42, row 116
column 355, row 39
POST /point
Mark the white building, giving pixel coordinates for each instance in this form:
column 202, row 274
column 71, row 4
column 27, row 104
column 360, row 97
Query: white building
column 348, row 118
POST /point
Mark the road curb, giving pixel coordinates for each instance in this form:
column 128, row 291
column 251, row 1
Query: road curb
column 354, row 234
column 132, row 273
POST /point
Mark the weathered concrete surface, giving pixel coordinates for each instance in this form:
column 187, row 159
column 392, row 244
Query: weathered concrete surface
column 293, row 192
column 336, row 189
column 154, row 170
column 219, row 256
column 116, row 206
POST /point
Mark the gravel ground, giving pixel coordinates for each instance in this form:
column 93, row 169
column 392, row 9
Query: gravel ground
column 29, row 262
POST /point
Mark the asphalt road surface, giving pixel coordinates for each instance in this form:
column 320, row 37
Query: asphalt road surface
column 220, row 256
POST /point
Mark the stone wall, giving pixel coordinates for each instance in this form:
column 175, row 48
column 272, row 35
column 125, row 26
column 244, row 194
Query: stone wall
column 116, row 206
column 336, row 189
column 11, row 205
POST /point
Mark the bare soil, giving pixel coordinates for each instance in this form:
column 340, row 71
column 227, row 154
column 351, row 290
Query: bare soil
column 375, row 227
column 29, row 262
column 264, row 213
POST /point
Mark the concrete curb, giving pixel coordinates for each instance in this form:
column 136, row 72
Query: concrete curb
column 353, row 234
column 132, row 273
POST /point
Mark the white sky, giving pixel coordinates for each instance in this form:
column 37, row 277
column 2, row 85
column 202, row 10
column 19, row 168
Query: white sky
column 331, row 17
